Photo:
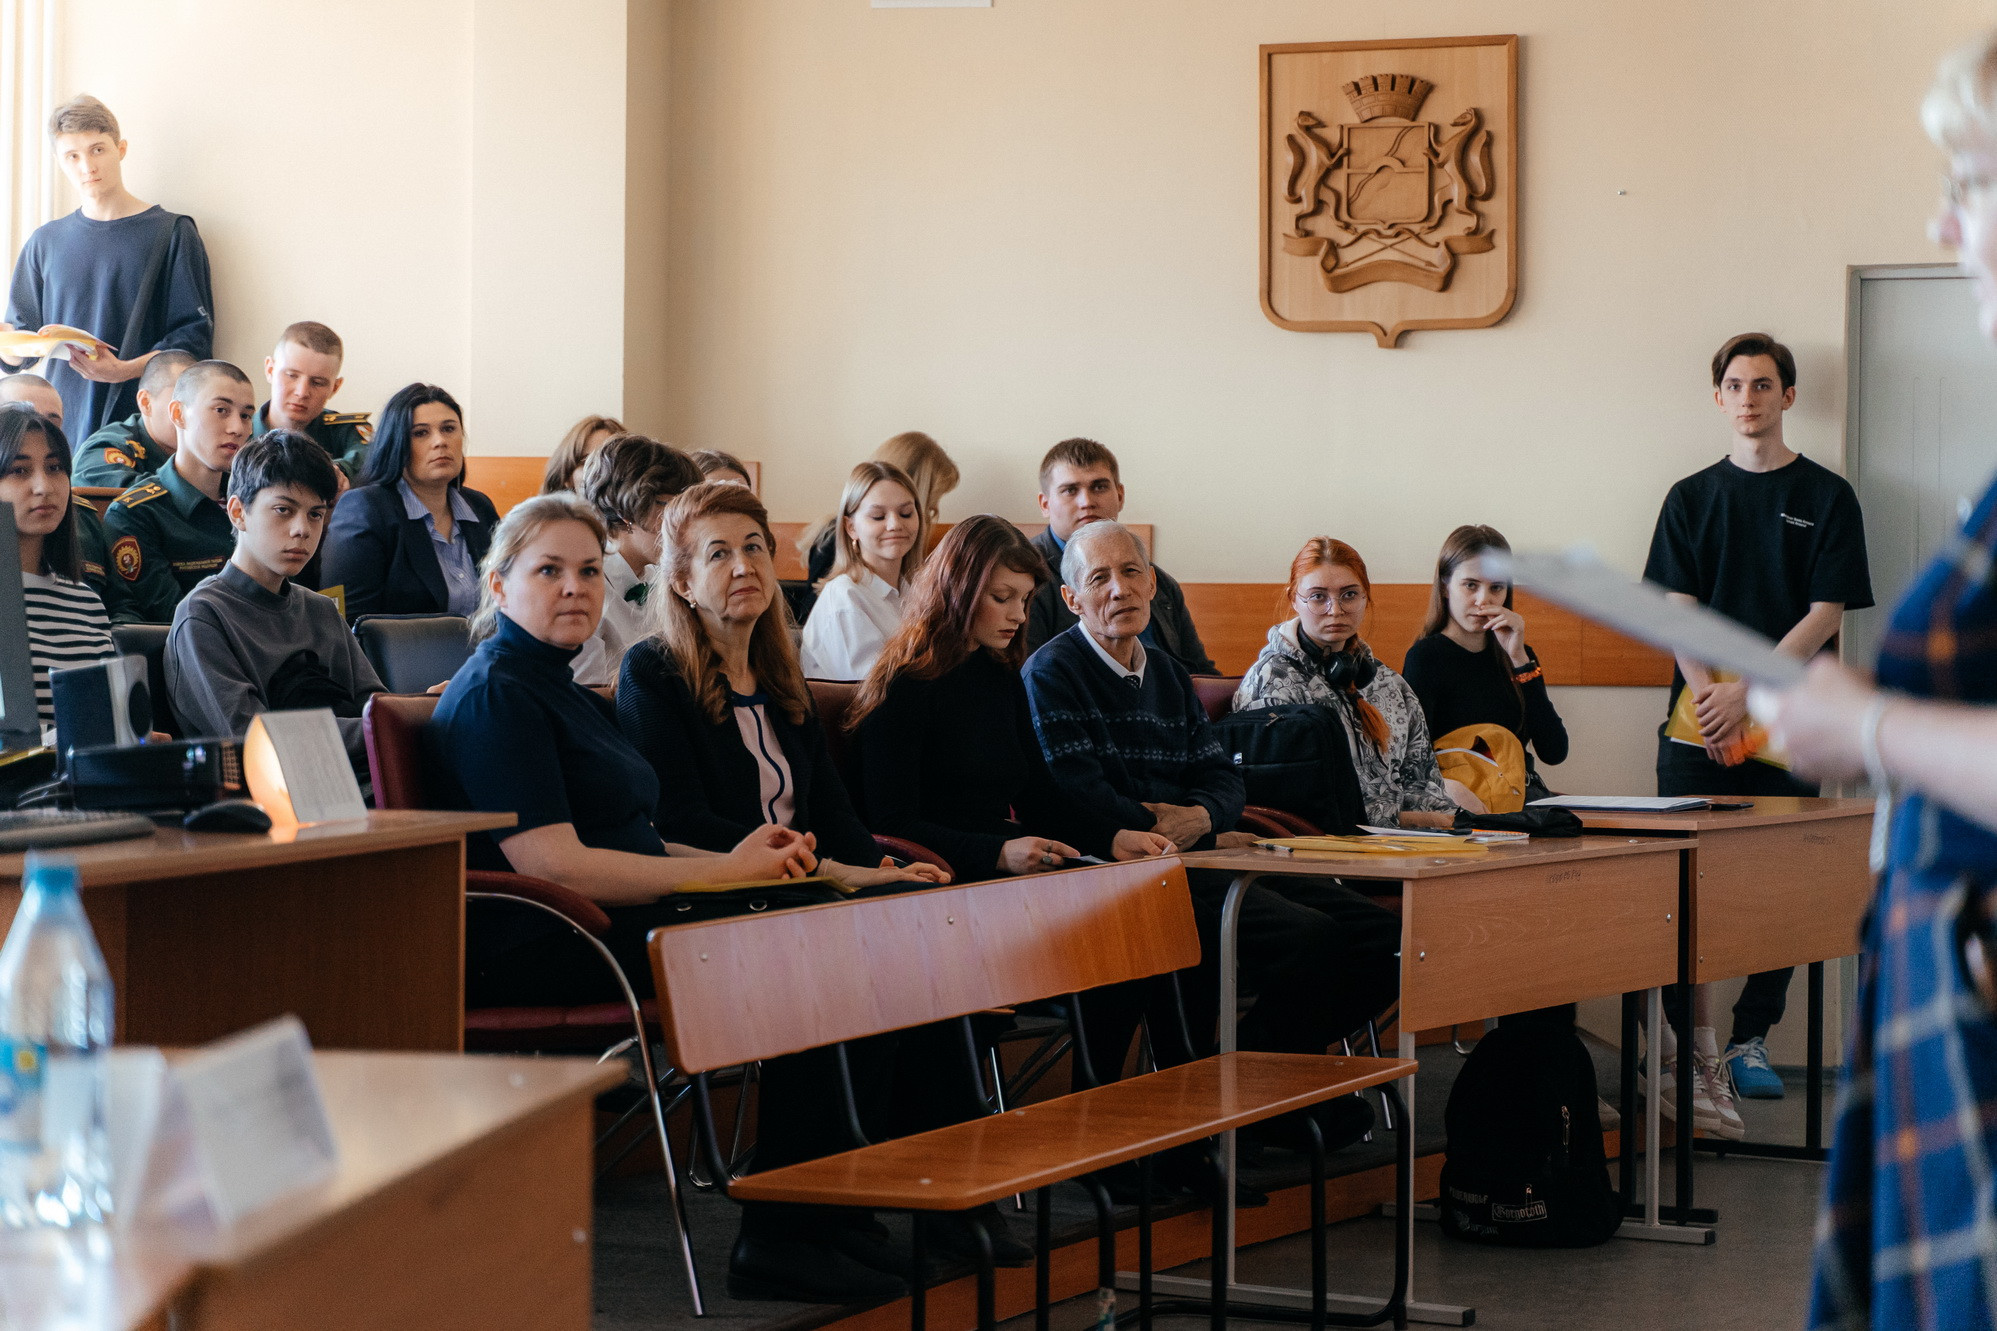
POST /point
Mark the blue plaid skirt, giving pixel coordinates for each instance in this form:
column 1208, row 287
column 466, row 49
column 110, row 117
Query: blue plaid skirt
column 1908, row 1233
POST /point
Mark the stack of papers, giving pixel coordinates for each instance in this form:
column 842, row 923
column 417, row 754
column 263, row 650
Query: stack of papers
column 1624, row 803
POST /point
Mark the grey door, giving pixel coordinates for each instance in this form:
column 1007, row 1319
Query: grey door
column 1921, row 423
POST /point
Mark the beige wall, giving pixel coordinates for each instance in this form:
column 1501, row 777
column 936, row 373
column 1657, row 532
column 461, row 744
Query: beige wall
column 442, row 182
column 1010, row 225
column 325, row 166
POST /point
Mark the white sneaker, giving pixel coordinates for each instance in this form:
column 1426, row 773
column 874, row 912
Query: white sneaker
column 1713, row 1109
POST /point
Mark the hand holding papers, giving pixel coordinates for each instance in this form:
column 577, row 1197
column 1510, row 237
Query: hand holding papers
column 54, row 340
column 1579, row 580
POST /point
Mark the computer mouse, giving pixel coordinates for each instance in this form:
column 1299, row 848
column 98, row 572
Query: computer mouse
column 227, row 816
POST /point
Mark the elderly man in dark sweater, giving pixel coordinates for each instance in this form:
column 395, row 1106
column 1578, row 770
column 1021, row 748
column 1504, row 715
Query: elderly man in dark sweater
column 1128, row 741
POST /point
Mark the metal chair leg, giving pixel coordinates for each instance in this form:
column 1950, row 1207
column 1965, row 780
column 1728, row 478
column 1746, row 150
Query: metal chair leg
column 644, row 1044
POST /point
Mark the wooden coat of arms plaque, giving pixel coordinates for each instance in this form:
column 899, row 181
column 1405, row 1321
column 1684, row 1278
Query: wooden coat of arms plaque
column 1390, row 184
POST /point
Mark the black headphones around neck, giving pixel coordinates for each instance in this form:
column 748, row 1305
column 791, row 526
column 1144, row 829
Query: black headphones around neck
column 1351, row 669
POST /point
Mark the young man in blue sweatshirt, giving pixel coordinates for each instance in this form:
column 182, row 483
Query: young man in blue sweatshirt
column 1126, row 736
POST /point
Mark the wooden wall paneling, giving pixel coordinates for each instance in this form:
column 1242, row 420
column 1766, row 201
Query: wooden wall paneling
column 1234, row 619
column 506, row 481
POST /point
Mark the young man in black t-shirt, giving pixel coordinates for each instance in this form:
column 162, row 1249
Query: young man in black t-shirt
column 1774, row 541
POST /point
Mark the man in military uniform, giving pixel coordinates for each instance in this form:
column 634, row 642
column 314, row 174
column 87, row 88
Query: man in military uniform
column 304, row 373
column 126, row 452
column 170, row 531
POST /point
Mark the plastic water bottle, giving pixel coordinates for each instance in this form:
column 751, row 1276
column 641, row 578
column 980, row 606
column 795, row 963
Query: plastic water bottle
column 55, row 1031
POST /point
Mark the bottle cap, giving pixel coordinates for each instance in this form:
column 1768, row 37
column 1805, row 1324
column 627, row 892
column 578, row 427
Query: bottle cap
column 51, row 875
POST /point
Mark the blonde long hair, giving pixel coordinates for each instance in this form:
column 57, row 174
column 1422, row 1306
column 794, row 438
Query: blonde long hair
column 858, row 486
column 681, row 631
column 516, row 529
column 931, row 475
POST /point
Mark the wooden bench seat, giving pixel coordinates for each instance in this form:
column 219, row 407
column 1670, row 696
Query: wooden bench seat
column 969, row 1164
column 733, row 991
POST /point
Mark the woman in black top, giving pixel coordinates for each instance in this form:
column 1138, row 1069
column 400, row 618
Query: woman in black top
column 516, row 734
column 717, row 704
column 1471, row 665
column 409, row 538
column 944, row 741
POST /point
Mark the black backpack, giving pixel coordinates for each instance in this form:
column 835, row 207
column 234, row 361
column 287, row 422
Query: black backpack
column 1295, row 757
column 1525, row 1167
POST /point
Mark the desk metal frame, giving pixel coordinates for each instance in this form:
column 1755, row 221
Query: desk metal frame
column 1573, row 868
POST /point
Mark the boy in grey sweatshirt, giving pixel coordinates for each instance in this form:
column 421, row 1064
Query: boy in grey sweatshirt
column 247, row 639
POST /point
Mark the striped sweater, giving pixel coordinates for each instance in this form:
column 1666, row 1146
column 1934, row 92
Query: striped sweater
column 67, row 627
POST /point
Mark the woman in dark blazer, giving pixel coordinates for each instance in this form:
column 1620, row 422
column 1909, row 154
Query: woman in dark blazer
column 409, row 538
column 717, row 703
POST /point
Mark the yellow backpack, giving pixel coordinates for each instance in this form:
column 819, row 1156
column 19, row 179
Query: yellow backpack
column 1489, row 760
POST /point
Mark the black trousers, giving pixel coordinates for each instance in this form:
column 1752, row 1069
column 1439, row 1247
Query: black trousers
column 1319, row 957
column 1685, row 770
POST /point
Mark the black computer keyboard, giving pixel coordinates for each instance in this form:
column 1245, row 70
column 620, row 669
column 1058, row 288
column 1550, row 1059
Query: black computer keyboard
column 36, row 829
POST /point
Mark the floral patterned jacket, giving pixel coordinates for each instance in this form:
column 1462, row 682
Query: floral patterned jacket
column 1405, row 776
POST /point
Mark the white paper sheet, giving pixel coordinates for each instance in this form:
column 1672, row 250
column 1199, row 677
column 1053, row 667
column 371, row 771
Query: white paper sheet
column 1623, row 803
column 1580, row 581
column 313, row 758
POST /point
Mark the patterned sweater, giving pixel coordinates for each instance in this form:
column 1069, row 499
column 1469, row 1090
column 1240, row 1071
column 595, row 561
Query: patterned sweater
column 1405, row 776
column 1113, row 748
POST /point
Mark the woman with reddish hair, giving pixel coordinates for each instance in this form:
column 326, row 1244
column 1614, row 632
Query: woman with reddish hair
column 1319, row 657
column 944, row 741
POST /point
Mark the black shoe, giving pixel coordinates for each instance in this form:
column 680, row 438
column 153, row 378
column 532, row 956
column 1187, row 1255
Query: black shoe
column 1121, row 1181
column 1341, row 1122
column 873, row 1247
column 950, row 1235
column 1199, row 1174
column 805, row 1271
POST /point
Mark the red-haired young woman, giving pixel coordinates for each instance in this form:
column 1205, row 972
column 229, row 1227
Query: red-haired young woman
column 1319, row 657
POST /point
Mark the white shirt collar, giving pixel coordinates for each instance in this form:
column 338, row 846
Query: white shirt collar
column 874, row 584
column 1117, row 667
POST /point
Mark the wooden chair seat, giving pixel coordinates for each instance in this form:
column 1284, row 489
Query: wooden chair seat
column 970, row 1164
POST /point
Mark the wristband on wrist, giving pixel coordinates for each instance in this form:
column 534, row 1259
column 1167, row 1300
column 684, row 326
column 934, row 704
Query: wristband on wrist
column 1526, row 673
column 1882, row 784
column 1868, row 743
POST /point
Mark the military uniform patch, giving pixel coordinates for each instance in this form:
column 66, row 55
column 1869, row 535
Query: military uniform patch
column 125, row 557
column 113, row 457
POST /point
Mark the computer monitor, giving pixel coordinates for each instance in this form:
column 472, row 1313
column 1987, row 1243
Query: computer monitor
column 20, row 728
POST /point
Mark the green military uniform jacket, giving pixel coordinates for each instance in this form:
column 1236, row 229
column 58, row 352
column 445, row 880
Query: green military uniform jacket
column 344, row 435
column 96, row 557
column 165, row 537
column 119, row 455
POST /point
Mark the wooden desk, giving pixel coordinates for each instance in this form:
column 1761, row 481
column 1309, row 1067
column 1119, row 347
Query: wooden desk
column 1784, row 883
column 1518, row 927
column 358, row 928
column 1799, row 864
column 462, row 1199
